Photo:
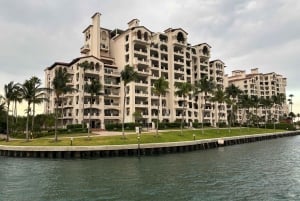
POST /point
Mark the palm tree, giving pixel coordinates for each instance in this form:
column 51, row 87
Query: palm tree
column 9, row 90
column 183, row 89
column 244, row 102
column 85, row 66
column 38, row 96
column 27, row 94
column 60, row 87
column 127, row 75
column 267, row 104
column 93, row 89
column 17, row 98
column 160, row 88
column 278, row 100
column 233, row 92
column 255, row 103
column 204, row 86
column 291, row 101
column 220, row 97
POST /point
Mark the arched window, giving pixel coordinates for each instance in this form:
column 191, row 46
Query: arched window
column 205, row 51
column 146, row 36
column 104, row 35
column 139, row 34
column 180, row 37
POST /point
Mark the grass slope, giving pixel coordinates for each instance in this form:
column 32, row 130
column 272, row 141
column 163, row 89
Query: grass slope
column 165, row 136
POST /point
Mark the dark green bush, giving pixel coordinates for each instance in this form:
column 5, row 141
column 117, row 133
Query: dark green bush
column 75, row 126
column 118, row 127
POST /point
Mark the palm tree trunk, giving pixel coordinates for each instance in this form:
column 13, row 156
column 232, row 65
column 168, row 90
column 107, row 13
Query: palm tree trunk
column 55, row 126
column 89, row 129
column 203, row 114
column 27, row 122
column 157, row 122
column 33, row 114
column 7, row 124
column 83, row 112
column 182, row 116
column 123, row 118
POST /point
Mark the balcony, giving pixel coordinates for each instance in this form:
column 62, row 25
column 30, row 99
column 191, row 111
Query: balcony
column 85, row 49
column 137, row 61
column 141, row 93
column 111, row 73
column 141, row 52
column 141, row 104
column 112, row 83
column 141, row 83
column 140, row 40
column 143, row 71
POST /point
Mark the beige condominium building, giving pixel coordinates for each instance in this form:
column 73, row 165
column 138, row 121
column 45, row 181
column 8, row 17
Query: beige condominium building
column 260, row 85
column 152, row 54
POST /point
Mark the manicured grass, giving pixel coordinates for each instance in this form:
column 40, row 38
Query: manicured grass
column 164, row 136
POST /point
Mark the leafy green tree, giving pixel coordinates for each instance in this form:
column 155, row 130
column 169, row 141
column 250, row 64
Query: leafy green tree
column 204, row 86
column 183, row 89
column 127, row 75
column 160, row 88
column 60, row 87
column 94, row 89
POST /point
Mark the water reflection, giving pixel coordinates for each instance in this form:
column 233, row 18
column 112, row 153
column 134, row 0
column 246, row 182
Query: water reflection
column 266, row 170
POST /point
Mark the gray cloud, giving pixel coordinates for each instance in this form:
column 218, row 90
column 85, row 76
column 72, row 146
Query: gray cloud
column 244, row 34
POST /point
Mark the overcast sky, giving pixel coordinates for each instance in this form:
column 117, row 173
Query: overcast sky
column 244, row 34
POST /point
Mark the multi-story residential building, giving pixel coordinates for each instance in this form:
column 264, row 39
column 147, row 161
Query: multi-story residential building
column 152, row 54
column 260, row 85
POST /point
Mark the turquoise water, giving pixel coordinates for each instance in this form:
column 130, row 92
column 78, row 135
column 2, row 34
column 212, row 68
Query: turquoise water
column 266, row 170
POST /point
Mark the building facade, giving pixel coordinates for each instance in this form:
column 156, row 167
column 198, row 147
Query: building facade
column 262, row 85
column 152, row 55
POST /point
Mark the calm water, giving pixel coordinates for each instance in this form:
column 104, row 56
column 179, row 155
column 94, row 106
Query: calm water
column 267, row 170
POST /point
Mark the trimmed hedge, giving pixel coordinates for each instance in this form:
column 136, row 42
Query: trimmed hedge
column 284, row 126
column 75, row 126
column 118, row 127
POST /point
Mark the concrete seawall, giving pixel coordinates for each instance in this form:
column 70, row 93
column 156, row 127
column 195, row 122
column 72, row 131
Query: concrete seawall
column 133, row 149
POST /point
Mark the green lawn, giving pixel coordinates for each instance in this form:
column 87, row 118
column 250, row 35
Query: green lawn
column 164, row 136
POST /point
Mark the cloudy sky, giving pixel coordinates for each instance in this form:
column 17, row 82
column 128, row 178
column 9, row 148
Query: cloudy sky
column 244, row 34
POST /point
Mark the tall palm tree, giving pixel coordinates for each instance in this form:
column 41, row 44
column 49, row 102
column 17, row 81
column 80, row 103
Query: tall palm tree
column 16, row 98
column 127, row 75
column 278, row 100
column 27, row 94
column 204, row 86
column 291, row 101
column 93, row 89
column 255, row 103
column 220, row 97
column 60, row 87
column 9, row 90
column 267, row 104
column 233, row 92
column 244, row 102
column 183, row 89
column 85, row 66
column 160, row 88
column 38, row 96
